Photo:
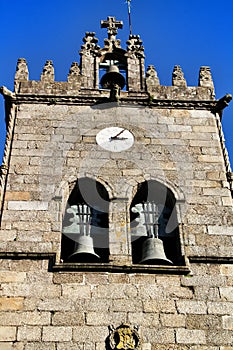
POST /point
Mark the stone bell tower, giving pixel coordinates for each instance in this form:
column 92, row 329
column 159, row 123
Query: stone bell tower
column 116, row 207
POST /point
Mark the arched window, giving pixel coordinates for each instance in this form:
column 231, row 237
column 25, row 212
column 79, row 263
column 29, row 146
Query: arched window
column 113, row 59
column 154, row 225
column 85, row 223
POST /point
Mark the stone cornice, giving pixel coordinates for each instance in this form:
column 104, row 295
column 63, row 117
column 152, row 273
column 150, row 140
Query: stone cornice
column 211, row 259
column 136, row 99
column 184, row 104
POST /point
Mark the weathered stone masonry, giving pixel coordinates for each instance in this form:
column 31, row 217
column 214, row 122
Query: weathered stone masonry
column 47, row 303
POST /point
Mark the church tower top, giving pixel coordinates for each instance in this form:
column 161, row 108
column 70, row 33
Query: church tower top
column 142, row 85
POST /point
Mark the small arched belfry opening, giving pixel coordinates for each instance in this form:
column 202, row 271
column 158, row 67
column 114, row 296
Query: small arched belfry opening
column 154, row 226
column 85, row 223
column 116, row 58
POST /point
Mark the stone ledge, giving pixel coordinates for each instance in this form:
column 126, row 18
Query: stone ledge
column 97, row 267
column 211, row 259
column 105, row 267
column 95, row 99
column 108, row 267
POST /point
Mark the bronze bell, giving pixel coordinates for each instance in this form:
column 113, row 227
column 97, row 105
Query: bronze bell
column 153, row 252
column 84, row 251
column 112, row 77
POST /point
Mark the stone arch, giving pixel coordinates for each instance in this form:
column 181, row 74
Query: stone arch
column 177, row 191
column 86, row 214
column 118, row 54
column 161, row 223
column 66, row 186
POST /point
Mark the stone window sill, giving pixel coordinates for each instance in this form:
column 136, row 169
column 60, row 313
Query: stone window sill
column 116, row 268
column 96, row 267
column 108, row 267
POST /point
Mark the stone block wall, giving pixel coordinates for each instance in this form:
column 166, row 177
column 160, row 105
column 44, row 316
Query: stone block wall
column 72, row 310
column 46, row 308
column 55, row 144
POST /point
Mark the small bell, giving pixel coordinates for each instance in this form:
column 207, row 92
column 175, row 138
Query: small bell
column 111, row 78
column 153, row 253
column 84, row 251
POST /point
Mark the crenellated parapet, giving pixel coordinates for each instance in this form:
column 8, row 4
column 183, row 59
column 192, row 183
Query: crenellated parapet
column 83, row 79
column 179, row 89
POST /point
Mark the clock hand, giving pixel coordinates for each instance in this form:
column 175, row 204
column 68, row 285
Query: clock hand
column 120, row 138
column 116, row 136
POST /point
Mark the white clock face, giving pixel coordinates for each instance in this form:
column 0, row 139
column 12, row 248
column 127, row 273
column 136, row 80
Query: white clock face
column 115, row 139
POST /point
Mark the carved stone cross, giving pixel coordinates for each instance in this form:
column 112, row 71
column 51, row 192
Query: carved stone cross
column 112, row 24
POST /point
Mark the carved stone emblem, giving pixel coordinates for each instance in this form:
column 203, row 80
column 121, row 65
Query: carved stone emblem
column 124, row 337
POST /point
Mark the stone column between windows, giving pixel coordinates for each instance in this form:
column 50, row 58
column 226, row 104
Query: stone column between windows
column 119, row 239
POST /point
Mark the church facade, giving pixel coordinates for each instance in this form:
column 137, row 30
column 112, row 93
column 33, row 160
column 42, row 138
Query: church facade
column 116, row 207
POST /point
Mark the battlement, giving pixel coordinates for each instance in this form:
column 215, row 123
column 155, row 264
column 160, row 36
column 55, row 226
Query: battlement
column 84, row 78
column 76, row 86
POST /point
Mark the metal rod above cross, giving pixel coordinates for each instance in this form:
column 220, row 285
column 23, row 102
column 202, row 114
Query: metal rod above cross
column 129, row 16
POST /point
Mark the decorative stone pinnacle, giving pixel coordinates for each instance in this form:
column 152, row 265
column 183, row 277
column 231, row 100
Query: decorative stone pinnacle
column 48, row 72
column 135, row 47
column 21, row 70
column 90, row 43
column 112, row 24
column 205, row 77
column 178, row 77
column 74, row 73
column 152, row 80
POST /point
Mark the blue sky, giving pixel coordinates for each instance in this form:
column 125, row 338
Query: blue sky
column 190, row 33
